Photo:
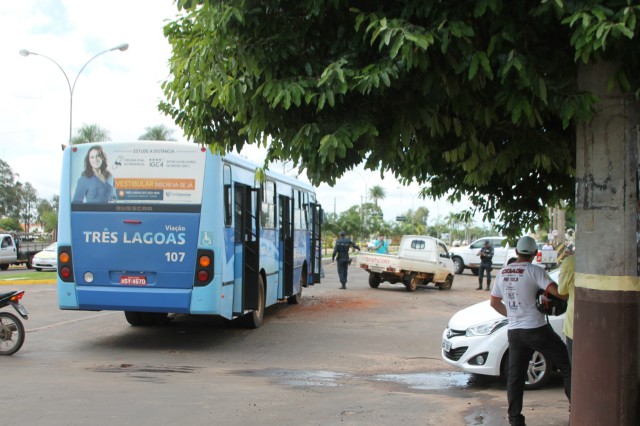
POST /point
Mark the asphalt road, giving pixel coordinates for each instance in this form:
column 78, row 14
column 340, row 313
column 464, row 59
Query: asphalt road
column 350, row 357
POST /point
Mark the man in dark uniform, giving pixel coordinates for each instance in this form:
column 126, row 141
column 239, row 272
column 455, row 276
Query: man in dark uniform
column 341, row 251
column 486, row 259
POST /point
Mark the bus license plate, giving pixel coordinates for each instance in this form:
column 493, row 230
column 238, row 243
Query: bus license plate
column 133, row 280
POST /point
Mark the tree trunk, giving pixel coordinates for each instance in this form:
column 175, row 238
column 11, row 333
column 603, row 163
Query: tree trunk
column 607, row 297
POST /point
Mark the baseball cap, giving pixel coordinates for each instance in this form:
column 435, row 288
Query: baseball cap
column 526, row 246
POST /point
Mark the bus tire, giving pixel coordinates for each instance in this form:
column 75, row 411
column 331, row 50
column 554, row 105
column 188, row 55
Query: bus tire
column 254, row 318
column 155, row 318
column 296, row 299
column 134, row 318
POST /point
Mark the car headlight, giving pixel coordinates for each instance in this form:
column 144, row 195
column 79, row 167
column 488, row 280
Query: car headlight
column 486, row 328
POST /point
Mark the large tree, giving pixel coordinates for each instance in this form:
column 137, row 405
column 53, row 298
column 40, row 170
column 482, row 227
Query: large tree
column 471, row 96
column 9, row 192
column 485, row 98
column 88, row 133
column 376, row 193
column 157, row 133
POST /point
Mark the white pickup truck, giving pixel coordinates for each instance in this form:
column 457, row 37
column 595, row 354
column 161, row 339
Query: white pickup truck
column 420, row 260
column 13, row 251
column 467, row 256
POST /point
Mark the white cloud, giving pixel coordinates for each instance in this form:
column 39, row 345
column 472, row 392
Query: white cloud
column 117, row 90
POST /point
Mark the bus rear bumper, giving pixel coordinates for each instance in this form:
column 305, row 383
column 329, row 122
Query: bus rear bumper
column 136, row 299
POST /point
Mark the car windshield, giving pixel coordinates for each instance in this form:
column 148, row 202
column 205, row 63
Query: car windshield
column 52, row 247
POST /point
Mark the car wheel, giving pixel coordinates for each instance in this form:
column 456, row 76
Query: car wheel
column 538, row 371
column 458, row 265
column 38, row 269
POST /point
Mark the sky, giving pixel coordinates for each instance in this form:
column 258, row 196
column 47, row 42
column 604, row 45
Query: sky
column 119, row 91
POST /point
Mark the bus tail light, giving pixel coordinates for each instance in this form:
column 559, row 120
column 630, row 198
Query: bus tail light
column 65, row 264
column 204, row 267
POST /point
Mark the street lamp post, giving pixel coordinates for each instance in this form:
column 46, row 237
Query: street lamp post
column 24, row 52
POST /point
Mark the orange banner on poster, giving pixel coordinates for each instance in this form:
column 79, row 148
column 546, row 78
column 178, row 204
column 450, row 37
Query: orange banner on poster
column 141, row 183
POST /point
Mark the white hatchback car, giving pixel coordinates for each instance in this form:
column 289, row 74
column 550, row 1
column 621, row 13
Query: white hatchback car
column 475, row 341
column 46, row 259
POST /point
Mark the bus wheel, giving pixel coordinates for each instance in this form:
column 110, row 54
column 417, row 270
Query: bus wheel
column 296, row 299
column 253, row 319
column 155, row 318
column 134, row 318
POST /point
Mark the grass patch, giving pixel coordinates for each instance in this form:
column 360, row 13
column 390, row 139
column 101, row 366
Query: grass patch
column 30, row 276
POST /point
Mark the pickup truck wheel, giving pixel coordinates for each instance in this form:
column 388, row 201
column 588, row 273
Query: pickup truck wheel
column 374, row 280
column 30, row 262
column 458, row 265
column 446, row 285
column 412, row 284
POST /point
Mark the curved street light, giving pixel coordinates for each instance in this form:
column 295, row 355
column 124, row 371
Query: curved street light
column 24, row 52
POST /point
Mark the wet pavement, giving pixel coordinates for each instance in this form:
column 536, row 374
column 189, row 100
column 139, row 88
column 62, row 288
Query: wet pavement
column 357, row 357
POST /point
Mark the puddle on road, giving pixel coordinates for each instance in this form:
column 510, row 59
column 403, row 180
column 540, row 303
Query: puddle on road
column 301, row 378
column 418, row 381
column 429, row 381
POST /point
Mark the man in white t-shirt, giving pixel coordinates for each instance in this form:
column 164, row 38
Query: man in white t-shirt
column 514, row 296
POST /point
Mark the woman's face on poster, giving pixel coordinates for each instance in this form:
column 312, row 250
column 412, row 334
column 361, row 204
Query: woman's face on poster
column 95, row 159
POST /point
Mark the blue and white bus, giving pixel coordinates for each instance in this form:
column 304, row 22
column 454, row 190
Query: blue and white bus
column 153, row 228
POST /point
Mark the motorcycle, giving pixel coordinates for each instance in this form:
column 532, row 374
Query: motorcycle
column 12, row 331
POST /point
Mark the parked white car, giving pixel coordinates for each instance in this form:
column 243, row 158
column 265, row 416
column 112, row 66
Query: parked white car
column 467, row 256
column 475, row 341
column 47, row 259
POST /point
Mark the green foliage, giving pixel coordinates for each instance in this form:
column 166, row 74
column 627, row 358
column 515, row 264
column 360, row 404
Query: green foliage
column 10, row 224
column 376, row 193
column 468, row 98
column 9, row 192
column 88, row 133
column 157, row 133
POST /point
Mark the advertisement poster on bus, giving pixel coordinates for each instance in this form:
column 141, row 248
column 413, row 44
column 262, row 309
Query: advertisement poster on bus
column 140, row 174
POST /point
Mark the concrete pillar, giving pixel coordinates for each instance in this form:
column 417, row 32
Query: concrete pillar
column 606, row 365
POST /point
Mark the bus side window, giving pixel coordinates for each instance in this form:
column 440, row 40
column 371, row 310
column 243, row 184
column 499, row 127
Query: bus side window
column 268, row 219
column 226, row 177
column 297, row 211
